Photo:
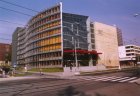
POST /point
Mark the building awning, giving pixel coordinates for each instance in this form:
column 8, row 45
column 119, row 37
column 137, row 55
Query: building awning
column 82, row 51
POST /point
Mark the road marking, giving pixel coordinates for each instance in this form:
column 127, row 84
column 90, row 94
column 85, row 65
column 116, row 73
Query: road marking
column 120, row 79
column 108, row 78
column 128, row 79
column 90, row 78
column 102, row 78
column 133, row 80
column 105, row 78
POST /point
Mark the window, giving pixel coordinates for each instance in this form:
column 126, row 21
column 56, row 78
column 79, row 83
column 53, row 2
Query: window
column 92, row 35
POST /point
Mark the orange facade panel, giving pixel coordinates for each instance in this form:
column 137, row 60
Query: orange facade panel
column 50, row 41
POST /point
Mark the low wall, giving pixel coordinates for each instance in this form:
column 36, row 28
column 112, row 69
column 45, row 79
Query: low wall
column 85, row 68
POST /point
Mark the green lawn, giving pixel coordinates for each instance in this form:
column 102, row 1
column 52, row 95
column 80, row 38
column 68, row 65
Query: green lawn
column 22, row 74
column 47, row 70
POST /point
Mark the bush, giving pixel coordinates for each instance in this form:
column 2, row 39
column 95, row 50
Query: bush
column 6, row 69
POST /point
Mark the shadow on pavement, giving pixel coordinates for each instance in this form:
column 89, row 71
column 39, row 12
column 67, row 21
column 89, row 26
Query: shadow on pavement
column 71, row 91
column 97, row 94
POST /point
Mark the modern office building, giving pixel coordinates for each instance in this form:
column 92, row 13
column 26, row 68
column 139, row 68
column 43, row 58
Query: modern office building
column 21, row 46
column 77, row 34
column 5, row 50
column 129, row 55
column 14, row 46
column 53, row 38
column 17, row 44
column 119, row 36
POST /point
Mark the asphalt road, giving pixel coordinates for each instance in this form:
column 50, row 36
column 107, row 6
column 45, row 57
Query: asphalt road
column 69, row 87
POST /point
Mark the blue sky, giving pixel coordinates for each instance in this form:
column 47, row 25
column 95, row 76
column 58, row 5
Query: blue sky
column 112, row 12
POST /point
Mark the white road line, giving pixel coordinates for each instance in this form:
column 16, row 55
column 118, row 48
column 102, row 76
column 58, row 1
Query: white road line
column 120, row 79
column 84, row 78
column 90, row 78
column 108, row 78
column 97, row 78
column 133, row 80
column 128, row 79
column 104, row 77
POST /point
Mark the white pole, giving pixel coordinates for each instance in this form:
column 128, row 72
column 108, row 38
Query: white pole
column 76, row 62
column 74, row 41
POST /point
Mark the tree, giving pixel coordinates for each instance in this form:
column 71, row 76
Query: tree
column 6, row 69
column 8, row 57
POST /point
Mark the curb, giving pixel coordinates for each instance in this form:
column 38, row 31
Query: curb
column 107, row 71
column 15, row 78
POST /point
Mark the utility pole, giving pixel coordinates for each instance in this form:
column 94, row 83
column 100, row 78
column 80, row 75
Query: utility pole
column 74, row 43
column 76, row 61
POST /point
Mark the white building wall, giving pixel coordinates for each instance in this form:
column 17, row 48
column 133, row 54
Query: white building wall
column 122, row 52
column 106, row 42
column 131, row 50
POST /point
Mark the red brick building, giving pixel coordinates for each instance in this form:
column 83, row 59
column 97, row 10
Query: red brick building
column 5, row 49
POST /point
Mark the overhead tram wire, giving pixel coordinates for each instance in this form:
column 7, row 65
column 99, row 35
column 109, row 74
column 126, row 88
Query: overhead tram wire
column 5, row 34
column 11, row 22
column 16, row 11
column 18, row 5
column 5, row 39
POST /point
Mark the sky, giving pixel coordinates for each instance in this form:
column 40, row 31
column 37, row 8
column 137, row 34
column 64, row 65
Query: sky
column 112, row 12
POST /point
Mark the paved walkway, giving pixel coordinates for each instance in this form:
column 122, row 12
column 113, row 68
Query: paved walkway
column 17, row 78
column 53, row 75
column 58, row 74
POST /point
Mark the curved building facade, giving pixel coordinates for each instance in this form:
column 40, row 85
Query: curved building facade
column 43, row 36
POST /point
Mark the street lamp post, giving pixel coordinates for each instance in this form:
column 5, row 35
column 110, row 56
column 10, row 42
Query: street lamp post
column 74, row 43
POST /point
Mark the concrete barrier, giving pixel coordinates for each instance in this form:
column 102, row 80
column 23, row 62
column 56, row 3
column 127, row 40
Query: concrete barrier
column 85, row 68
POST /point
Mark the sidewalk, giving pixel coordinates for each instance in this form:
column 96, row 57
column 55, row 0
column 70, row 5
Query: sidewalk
column 17, row 78
column 37, row 75
column 61, row 74
column 57, row 74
